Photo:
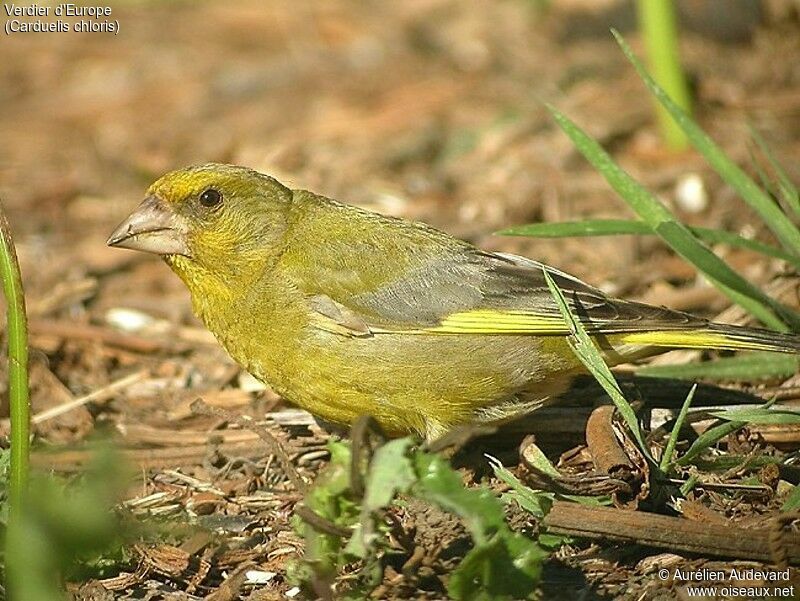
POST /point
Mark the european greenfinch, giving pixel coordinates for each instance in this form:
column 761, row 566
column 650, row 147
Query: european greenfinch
column 345, row 312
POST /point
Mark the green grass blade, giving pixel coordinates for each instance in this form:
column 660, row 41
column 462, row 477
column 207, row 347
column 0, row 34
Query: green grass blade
column 713, row 236
column 581, row 343
column 763, row 179
column 17, row 326
column 676, row 235
column 658, row 26
column 751, row 366
column 669, row 450
column 536, row 502
column 713, row 435
column 785, row 417
column 588, row 227
column 738, row 289
column 17, row 535
column 709, row 438
column 616, row 227
column 750, row 192
column 788, row 190
column 689, row 485
column 724, row 463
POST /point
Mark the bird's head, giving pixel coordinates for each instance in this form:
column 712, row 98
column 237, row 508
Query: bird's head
column 218, row 219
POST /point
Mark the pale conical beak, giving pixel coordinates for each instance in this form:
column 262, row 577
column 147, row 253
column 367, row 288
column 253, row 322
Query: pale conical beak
column 153, row 228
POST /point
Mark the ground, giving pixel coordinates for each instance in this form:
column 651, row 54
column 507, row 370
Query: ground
column 431, row 110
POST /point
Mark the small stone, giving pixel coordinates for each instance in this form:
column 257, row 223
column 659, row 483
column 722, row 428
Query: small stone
column 691, row 194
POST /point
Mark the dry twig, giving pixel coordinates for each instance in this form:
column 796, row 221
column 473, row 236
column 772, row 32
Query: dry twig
column 672, row 533
column 98, row 395
column 273, row 444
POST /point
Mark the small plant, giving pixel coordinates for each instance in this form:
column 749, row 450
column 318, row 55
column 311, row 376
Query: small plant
column 66, row 530
column 346, row 525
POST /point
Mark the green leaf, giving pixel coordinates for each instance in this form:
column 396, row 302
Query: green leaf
column 480, row 510
column 617, row 227
column 749, row 367
column 589, row 501
column 329, row 497
column 333, row 483
column 760, row 416
column 390, row 473
column 504, row 568
column 552, row 542
column 536, row 502
column 66, row 529
column 772, row 215
column 585, row 350
column 503, row 564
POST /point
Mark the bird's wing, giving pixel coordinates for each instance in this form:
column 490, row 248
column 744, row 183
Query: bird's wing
column 476, row 292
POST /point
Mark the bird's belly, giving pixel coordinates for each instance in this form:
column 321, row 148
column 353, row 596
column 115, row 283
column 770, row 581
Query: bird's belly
column 416, row 383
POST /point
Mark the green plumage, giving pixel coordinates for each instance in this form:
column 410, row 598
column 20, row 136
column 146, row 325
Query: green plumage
column 347, row 312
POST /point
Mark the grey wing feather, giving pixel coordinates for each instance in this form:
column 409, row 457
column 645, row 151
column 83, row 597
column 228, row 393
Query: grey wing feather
column 594, row 308
column 483, row 280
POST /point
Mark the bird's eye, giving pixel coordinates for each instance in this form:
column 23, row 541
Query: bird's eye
column 210, row 198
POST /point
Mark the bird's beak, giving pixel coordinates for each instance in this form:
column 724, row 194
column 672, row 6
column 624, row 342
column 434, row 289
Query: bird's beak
column 154, row 228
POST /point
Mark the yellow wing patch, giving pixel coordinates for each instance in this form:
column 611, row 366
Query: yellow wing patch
column 488, row 321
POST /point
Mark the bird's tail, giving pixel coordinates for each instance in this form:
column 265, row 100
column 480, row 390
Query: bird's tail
column 718, row 336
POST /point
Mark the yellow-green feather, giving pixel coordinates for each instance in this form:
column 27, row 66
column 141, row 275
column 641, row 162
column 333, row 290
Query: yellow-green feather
column 714, row 336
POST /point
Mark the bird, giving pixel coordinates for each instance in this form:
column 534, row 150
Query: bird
column 346, row 312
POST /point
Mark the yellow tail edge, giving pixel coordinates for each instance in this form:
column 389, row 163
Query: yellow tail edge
column 718, row 336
